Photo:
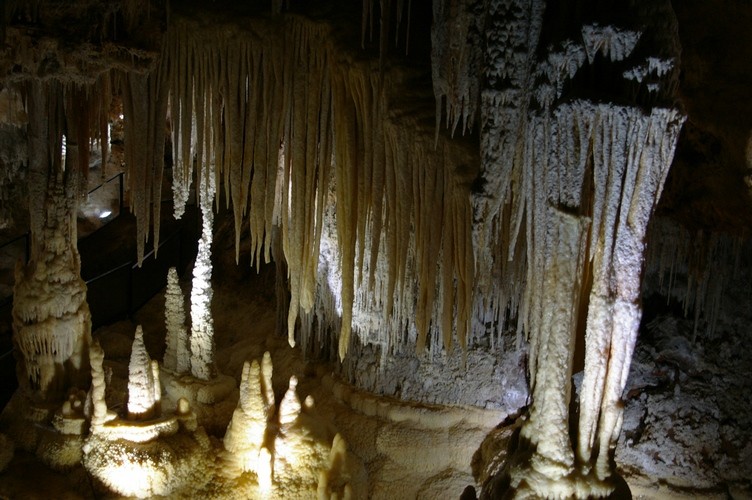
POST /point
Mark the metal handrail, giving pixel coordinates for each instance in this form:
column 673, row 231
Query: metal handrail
column 27, row 243
column 27, row 234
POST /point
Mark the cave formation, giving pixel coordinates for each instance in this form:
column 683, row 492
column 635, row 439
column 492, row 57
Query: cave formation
column 469, row 208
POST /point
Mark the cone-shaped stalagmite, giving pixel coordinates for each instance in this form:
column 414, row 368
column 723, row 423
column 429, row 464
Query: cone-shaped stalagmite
column 143, row 382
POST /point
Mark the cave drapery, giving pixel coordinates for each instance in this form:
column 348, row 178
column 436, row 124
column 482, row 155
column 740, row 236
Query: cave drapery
column 388, row 240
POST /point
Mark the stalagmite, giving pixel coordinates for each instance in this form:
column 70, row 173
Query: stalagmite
column 552, row 352
column 142, row 385
column 596, row 161
column 266, row 383
column 202, row 323
column 265, row 470
column 99, row 414
column 245, row 434
column 289, row 407
column 51, row 319
column 177, row 353
column 327, row 487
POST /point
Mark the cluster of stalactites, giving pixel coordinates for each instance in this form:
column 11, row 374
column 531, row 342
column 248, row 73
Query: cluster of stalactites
column 694, row 268
column 285, row 128
column 389, row 11
column 144, row 108
column 514, row 136
column 457, row 61
column 631, row 153
column 64, row 120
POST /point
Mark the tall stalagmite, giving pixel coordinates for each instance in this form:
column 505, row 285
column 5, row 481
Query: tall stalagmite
column 202, row 322
column 177, row 352
column 51, row 320
column 143, row 382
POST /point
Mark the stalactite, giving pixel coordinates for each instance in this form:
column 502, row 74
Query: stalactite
column 145, row 99
column 595, row 161
column 456, row 61
column 692, row 268
column 301, row 130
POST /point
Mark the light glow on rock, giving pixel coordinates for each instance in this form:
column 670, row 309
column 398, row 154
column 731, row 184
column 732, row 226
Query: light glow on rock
column 133, row 478
column 264, row 472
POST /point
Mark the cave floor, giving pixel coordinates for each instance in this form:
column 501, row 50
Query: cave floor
column 682, row 437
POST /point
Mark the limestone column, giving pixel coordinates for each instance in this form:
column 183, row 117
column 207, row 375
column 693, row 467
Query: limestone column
column 51, row 319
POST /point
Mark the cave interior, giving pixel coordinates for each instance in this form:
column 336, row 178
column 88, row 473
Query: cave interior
column 379, row 249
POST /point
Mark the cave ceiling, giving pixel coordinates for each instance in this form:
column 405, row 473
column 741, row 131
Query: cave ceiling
column 710, row 183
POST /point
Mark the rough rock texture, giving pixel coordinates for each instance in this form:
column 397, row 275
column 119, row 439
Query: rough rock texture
column 157, row 467
column 686, row 419
column 52, row 324
column 476, row 378
column 143, row 385
column 202, row 324
column 177, row 353
column 6, row 451
column 400, row 269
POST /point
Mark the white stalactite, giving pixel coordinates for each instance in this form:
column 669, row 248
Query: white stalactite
column 327, row 124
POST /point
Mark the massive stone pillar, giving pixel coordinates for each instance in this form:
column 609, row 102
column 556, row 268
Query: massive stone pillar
column 51, row 319
column 579, row 128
